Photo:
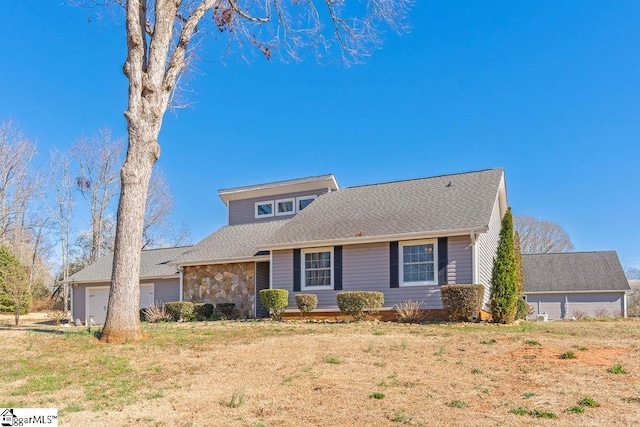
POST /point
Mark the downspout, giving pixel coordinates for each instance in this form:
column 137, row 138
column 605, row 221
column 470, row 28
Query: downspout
column 624, row 305
column 180, row 269
column 474, row 257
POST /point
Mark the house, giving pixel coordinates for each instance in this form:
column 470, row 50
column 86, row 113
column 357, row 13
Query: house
column 159, row 282
column 575, row 284
column 308, row 235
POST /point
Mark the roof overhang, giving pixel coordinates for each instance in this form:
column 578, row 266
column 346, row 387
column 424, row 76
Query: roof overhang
column 74, row 282
column 577, row 292
column 279, row 187
column 223, row 261
column 375, row 239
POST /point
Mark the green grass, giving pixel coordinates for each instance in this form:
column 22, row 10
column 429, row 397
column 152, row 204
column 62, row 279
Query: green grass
column 576, row 409
column 46, row 383
column 477, row 371
column 237, row 399
column 520, row 411
column 532, row 342
column 588, row 402
column 488, row 342
column 528, row 395
column 617, row 369
column 399, row 417
column 457, row 404
column 536, row 413
column 332, row 361
column 568, row 355
column 377, row 395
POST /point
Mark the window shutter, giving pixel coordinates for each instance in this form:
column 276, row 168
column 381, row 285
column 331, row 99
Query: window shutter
column 394, row 272
column 443, row 260
column 337, row 268
column 296, row 270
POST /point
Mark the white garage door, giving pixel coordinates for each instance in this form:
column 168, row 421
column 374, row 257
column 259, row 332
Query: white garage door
column 98, row 297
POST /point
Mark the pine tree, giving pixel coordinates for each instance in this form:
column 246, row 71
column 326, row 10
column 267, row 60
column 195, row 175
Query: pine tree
column 504, row 292
column 14, row 286
column 517, row 253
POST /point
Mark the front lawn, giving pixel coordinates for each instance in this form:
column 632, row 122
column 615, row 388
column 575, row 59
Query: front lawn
column 292, row 373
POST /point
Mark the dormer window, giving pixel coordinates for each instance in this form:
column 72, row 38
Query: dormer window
column 264, row 209
column 285, row 206
column 304, row 201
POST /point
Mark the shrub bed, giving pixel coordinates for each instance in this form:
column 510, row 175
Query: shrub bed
column 225, row 309
column 180, row 311
column 462, row 300
column 276, row 301
column 306, row 303
column 358, row 304
column 202, row 310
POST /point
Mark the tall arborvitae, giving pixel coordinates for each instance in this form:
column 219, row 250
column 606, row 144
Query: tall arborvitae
column 517, row 253
column 504, row 293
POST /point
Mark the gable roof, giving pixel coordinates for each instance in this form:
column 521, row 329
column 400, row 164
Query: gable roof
column 447, row 203
column 573, row 272
column 153, row 263
column 232, row 243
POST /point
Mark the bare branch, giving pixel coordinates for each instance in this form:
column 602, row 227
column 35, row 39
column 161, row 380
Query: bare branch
column 540, row 236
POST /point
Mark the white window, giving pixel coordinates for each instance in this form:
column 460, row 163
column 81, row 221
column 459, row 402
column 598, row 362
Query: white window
column 317, row 268
column 264, row 209
column 419, row 263
column 285, row 206
column 304, row 201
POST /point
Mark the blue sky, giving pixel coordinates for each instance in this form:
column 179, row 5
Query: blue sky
column 547, row 90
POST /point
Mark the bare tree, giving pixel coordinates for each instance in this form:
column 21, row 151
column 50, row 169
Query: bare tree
column 538, row 236
column 159, row 230
column 16, row 186
column 61, row 210
column 98, row 159
column 162, row 36
column 632, row 273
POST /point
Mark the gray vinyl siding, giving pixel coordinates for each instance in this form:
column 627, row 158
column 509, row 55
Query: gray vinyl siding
column 79, row 296
column 262, row 282
column 487, row 244
column 166, row 290
column 460, row 266
column 243, row 211
column 366, row 268
column 559, row 306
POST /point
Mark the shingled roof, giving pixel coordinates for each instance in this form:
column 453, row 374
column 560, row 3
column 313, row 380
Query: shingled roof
column 153, row 263
column 573, row 272
column 429, row 205
column 232, row 243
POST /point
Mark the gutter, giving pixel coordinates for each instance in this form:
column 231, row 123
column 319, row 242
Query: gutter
column 222, row 261
column 374, row 239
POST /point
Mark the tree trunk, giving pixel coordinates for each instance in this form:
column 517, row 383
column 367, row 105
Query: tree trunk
column 17, row 310
column 123, row 321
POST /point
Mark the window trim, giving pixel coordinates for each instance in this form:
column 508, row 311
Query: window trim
column 401, row 245
column 266, row 202
column 303, row 269
column 288, row 199
column 299, row 198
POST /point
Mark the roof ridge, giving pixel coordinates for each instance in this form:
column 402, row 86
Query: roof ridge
column 422, row 178
column 160, row 249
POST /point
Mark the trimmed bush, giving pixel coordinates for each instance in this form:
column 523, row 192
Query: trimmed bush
column 276, row 301
column 358, row 304
column 306, row 303
column 226, row 309
column 202, row 310
column 462, row 300
column 180, row 311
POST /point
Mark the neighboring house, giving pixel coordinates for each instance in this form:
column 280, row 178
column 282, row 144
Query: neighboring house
column 159, row 282
column 404, row 238
column 571, row 284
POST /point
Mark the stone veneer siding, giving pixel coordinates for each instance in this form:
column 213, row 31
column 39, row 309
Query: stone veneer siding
column 222, row 283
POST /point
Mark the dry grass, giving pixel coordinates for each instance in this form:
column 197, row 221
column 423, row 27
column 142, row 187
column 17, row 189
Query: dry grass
column 294, row 373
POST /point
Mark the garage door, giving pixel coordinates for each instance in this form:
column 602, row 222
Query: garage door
column 97, row 299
